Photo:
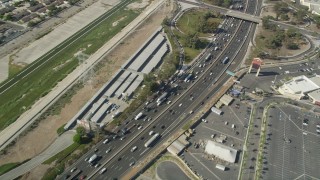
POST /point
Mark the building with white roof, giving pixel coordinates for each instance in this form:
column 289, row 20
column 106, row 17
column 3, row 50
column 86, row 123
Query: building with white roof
column 221, row 151
column 300, row 86
column 313, row 5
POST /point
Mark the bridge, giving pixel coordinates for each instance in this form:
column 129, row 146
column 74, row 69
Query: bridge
column 227, row 12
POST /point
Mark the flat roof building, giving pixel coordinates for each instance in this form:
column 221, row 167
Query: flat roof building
column 299, row 86
column 221, row 151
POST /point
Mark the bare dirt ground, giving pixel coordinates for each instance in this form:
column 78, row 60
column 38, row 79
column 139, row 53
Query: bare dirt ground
column 38, row 139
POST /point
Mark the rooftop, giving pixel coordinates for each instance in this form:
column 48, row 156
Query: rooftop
column 302, row 84
column 221, row 151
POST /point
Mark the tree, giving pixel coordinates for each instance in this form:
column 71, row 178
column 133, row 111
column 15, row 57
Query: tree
column 284, row 17
column 300, row 15
column 33, row 3
column 280, row 8
column 292, row 45
column 81, row 131
column 77, row 138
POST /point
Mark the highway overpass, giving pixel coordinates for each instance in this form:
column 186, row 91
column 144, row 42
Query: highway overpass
column 227, row 12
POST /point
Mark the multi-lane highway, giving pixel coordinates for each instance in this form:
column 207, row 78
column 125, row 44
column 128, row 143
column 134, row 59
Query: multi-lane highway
column 171, row 117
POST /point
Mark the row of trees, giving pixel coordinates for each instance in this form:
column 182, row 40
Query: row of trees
column 208, row 23
column 223, row 3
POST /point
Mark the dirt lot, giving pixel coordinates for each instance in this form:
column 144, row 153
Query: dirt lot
column 38, row 139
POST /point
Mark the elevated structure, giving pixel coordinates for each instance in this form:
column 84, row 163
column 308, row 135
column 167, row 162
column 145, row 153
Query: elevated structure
column 244, row 16
column 256, row 64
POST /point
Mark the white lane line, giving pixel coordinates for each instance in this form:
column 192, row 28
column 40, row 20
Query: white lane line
column 223, row 133
column 204, row 166
column 237, row 117
column 144, row 151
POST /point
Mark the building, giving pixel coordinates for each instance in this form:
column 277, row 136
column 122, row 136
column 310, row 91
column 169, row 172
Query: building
column 221, row 151
column 226, row 99
column 313, row 5
column 178, row 145
column 301, row 87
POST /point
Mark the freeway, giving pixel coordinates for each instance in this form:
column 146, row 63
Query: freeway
column 211, row 78
column 33, row 67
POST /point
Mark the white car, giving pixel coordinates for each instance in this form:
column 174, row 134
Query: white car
column 103, row 170
column 132, row 163
column 134, row 148
column 180, row 104
column 204, row 120
column 140, row 127
column 151, row 133
column 73, row 169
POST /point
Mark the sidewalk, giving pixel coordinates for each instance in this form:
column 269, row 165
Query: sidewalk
column 57, row 146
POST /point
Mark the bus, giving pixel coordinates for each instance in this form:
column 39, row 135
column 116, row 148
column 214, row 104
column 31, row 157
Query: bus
column 152, row 140
column 225, row 60
column 187, row 79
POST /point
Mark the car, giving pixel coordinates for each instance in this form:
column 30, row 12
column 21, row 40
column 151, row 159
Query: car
column 140, row 127
column 191, row 112
column 82, row 177
column 115, row 136
column 73, row 169
column 204, row 120
column 151, row 133
column 134, row 148
column 168, row 102
column 96, row 149
column 122, row 138
column 103, row 170
column 149, row 119
column 180, row 104
column 163, row 126
column 106, row 141
column 132, row 163
column 86, row 159
column 97, row 165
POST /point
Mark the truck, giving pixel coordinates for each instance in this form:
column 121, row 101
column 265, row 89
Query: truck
column 208, row 57
column 225, row 60
column 187, row 79
column 152, row 140
column 93, row 158
column 138, row 116
column 162, row 97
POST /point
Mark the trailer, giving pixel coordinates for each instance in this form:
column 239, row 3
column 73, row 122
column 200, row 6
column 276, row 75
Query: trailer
column 162, row 97
column 187, row 79
column 221, row 167
column 216, row 110
column 138, row 116
column 93, row 158
column 152, row 140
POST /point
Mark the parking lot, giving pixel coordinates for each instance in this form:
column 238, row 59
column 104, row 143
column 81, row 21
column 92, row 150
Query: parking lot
column 292, row 144
column 216, row 127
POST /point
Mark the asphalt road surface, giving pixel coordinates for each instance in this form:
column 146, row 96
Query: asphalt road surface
column 117, row 163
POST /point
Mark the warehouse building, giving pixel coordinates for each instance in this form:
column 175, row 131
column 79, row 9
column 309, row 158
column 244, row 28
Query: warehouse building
column 221, row 151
